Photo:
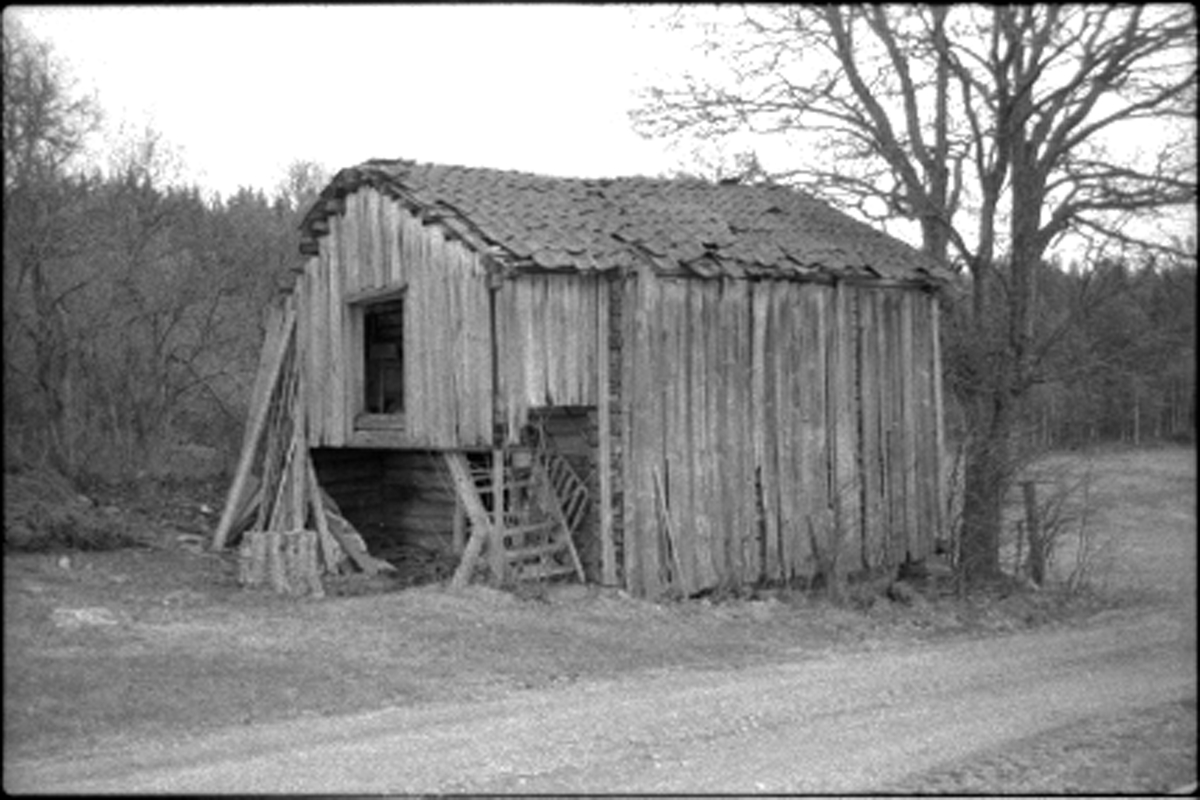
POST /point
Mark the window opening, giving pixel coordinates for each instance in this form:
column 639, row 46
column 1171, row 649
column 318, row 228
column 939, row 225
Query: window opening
column 383, row 326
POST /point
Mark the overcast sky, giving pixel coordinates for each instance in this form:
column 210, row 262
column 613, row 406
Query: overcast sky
column 243, row 91
column 240, row 92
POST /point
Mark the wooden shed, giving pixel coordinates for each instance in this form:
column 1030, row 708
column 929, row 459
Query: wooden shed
column 663, row 385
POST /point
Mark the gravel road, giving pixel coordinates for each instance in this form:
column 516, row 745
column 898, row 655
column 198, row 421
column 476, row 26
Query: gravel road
column 834, row 722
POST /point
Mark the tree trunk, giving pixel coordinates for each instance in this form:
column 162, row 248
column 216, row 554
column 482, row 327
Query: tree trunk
column 985, row 480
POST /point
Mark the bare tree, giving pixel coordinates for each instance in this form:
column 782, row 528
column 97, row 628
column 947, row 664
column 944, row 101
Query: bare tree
column 994, row 129
column 304, row 181
column 45, row 128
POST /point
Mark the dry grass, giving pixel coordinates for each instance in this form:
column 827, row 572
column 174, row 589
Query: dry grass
column 1132, row 525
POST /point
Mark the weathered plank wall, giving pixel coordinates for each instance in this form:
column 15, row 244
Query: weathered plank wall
column 376, row 244
column 772, row 429
column 546, row 342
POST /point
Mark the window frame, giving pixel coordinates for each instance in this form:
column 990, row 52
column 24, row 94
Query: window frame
column 360, row 305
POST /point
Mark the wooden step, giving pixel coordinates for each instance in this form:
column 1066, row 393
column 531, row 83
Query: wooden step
column 541, row 571
column 524, row 483
column 545, row 526
column 536, row 552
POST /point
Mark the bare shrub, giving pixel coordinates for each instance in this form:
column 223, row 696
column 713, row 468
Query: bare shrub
column 1076, row 556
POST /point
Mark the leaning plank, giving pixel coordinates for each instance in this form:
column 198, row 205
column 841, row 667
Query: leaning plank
column 481, row 524
column 672, row 540
column 548, row 500
column 496, row 542
column 351, row 545
column 280, row 327
column 278, row 515
column 331, row 549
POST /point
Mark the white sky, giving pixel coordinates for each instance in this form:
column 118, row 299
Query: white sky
column 242, row 91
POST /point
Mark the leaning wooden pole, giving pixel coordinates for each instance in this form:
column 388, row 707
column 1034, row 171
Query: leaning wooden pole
column 280, row 327
column 481, row 523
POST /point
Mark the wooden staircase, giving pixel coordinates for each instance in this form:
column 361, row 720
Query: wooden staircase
column 522, row 514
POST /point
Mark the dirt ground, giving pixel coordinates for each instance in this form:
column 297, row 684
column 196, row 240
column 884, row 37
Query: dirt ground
column 106, row 652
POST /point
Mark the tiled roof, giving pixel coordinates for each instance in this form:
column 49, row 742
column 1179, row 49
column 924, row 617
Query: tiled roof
column 542, row 222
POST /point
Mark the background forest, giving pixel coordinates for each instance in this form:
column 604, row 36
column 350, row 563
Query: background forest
column 134, row 305
column 1116, row 361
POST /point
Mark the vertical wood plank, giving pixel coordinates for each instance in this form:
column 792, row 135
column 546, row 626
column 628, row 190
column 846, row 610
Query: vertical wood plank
column 321, row 338
column 443, row 332
column 668, row 483
column 927, row 437
column 684, row 440
column 336, row 357
column 897, row 530
column 478, row 323
column 908, row 420
column 431, row 323
column 589, row 343
column 386, row 240
column 528, row 309
column 868, row 364
column 426, row 277
column 939, row 451
column 482, row 336
column 829, row 331
column 496, row 541
column 814, row 463
column 394, row 232
column 349, row 279
column 847, row 503
column 461, row 361
column 503, row 350
column 570, row 357
column 516, row 355
column 608, row 555
column 645, row 439
column 786, row 369
column 714, row 523
column 690, row 382
column 922, row 432
column 351, row 241
column 306, row 325
column 724, row 431
column 378, row 250
column 364, row 208
column 631, row 568
column 700, row 382
column 435, row 337
column 748, row 532
column 414, row 331
column 652, row 457
column 408, row 231
column 763, row 423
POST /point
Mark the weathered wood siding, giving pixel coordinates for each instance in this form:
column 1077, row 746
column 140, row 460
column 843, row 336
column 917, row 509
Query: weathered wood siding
column 376, row 244
column 772, row 429
column 546, row 340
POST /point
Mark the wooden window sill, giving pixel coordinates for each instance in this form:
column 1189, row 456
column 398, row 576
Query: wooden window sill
column 379, row 422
